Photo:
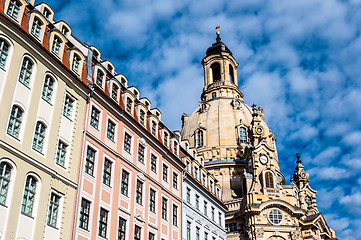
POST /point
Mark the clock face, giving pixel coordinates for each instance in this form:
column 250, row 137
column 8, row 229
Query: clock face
column 263, row 159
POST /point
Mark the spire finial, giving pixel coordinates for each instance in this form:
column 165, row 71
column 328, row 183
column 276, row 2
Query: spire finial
column 298, row 158
column 218, row 33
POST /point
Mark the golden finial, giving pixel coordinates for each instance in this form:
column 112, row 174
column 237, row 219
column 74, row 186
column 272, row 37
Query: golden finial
column 217, row 28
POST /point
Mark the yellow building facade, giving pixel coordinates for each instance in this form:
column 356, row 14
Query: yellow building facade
column 237, row 147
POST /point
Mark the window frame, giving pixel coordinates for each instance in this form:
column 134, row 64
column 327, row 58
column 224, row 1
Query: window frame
column 89, row 166
column 48, row 89
column 124, row 182
column 29, row 201
column 39, row 137
column 139, row 192
column 5, row 52
column 164, row 208
column 50, row 218
column 95, row 117
column 5, row 176
column 107, row 172
column 61, row 152
column 68, row 107
column 152, row 201
column 122, row 229
column 15, row 121
column 127, row 142
column 103, row 222
column 111, row 130
column 27, row 71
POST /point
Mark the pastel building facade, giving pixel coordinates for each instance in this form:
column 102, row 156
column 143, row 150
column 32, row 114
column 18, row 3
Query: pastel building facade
column 203, row 209
column 43, row 100
column 130, row 183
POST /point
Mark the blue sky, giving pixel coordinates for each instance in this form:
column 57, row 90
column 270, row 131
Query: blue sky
column 300, row 60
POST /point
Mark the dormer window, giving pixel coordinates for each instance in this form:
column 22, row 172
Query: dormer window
column 242, row 135
column 269, row 180
column 36, row 28
column 76, row 63
column 147, row 105
column 56, row 46
column 110, row 68
column 141, row 117
column 129, row 106
column 165, row 138
column 13, row 9
column 154, row 128
column 123, row 81
column 115, row 89
column 136, row 94
column 100, row 76
column 64, row 30
column 46, row 13
column 199, row 137
column 95, row 54
column 175, row 148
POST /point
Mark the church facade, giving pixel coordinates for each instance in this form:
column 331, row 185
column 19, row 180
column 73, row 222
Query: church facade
column 237, row 147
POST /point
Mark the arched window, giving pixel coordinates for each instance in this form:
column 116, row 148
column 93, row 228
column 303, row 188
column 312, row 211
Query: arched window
column 76, row 63
column 39, row 136
column 100, row 76
column 13, row 9
column 46, row 13
column 231, row 74
column 175, row 148
column 15, row 121
column 64, row 30
column 199, row 138
column 141, row 117
column 115, row 89
column 56, row 46
column 214, row 95
column 165, row 138
column 36, row 28
column 242, row 135
column 269, row 180
column 48, row 89
column 5, row 172
column 4, row 51
column 129, row 105
column 216, row 72
column 25, row 72
column 29, row 196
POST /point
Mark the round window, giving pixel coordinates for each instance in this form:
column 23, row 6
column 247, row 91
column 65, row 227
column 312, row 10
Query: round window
column 275, row 216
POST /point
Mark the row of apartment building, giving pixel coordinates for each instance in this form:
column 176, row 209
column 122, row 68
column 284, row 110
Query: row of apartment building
column 82, row 155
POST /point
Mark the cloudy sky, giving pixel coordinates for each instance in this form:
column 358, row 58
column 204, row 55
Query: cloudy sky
column 300, row 60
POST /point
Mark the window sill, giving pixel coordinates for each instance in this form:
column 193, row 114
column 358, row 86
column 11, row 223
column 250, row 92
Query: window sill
column 47, row 101
column 3, row 205
column 27, row 215
column 69, row 118
column 49, row 225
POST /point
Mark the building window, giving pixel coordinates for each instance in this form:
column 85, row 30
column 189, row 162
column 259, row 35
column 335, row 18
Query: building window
column 127, row 142
column 36, row 28
column 141, row 149
column 219, row 219
column 242, row 135
column 231, row 74
column 212, row 211
column 197, row 233
column 115, row 89
column 175, row 180
column 56, row 46
column 76, row 63
column 68, row 107
column 129, row 106
column 124, row 184
column 48, row 89
column 53, row 209
column 214, row 95
column 188, row 195
column 231, row 227
column 197, row 202
column 122, row 228
column 166, row 138
column 111, row 130
column 4, row 51
column 216, row 72
column 139, row 193
column 164, row 208
column 175, row 215
column 205, row 236
column 151, row 236
column 137, row 232
column 153, row 163
column 165, row 173
column 175, row 148
column 269, row 180
column 94, row 118
column 64, row 30
column 103, row 221
column 13, row 9
column 61, row 153
column 107, row 174
column 141, row 117
column 39, row 136
column 84, row 214
column 275, row 216
column 100, row 76
column 46, row 13
column 29, row 196
column 196, row 173
column 205, row 208
column 154, row 128
column 15, row 121
column 199, row 138
column 152, row 201
column 211, row 186
column 25, row 72
column 188, row 230
column 5, row 172
column 89, row 161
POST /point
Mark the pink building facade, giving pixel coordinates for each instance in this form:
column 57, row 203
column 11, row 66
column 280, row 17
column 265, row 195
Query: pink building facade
column 130, row 173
